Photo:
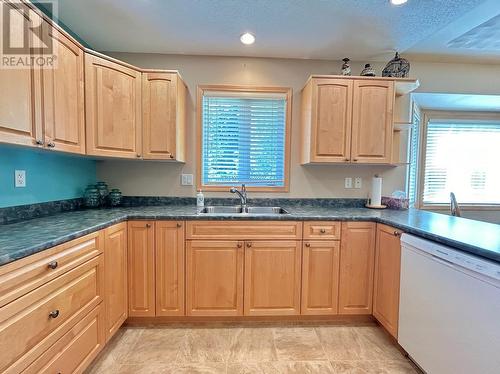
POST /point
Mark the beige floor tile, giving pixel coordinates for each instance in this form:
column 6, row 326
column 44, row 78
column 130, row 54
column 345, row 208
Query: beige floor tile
column 372, row 367
column 281, row 367
column 208, row 344
column 208, row 368
column 298, row 344
column 105, row 364
column 157, row 346
column 123, row 342
column 253, row 344
column 357, row 343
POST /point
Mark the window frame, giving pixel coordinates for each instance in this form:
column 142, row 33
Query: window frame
column 244, row 89
column 426, row 117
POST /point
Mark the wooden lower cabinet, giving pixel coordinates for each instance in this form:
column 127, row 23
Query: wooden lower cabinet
column 170, row 264
column 386, row 282
column 115, row 275
column 74, row 352
column 214, row 278
column 141, row 269
column 272, row 277
column 357, row 254
column 320, row 277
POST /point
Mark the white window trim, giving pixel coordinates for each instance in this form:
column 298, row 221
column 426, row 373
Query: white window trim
column 239, row 90
column 426, row 117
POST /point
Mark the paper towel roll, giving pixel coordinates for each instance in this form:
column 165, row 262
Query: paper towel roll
column 376, row 196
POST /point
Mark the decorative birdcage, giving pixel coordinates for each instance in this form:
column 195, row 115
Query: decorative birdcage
column 398, row 67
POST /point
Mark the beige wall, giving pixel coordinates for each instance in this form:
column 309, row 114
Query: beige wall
column 163, row 179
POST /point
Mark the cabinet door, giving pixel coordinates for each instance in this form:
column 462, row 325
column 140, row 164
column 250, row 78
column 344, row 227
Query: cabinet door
column 386, row 283
column 320, row 277
column 169, row 248
column 214, row 278
column 159, row 98
column 357, row 252
column 20, row 106
column 63, row 97
column 141, row 269
column 272, row 277
column 331, row 120
column 113, row 108
column 115, row 275
column 372, row 121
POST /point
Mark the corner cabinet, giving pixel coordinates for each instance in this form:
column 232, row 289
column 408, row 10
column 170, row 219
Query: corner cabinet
column 163, row 116
column 350, row 119
column 386, row 281
column 113, row 108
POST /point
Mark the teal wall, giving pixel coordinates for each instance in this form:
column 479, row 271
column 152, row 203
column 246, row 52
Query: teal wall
column 49, row 176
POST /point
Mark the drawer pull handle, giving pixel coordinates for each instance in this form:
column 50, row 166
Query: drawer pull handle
column 54, row 314
column 52, row 265
column 308, row 245
column 322, row 231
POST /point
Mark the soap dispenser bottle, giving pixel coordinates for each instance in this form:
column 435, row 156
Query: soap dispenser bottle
column 200, row 201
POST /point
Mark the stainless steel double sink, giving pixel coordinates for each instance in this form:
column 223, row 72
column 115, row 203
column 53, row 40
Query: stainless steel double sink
column 251, row 210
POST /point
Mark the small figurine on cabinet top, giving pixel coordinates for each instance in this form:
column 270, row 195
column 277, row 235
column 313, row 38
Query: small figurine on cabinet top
column 398, row 67
column 368, row 71
column 346, row 69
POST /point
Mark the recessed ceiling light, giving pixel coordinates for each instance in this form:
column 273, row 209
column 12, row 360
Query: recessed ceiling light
column 247, row 38
column 398, row 2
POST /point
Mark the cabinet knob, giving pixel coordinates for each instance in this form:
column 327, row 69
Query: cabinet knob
column 179, row 224
column 322, row 231
column 138, row 155
column 54, row 314
column 249, row 244
column 51, row 145
column 172, row 156
column 355, row 159
column 239, row 245
column 39, row 142
column 397, row 233
column 148, row 225
column 52, row 265
column 308, row 245
column 346, row 159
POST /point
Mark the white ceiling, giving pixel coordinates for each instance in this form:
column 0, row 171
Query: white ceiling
column 434, row 101
column 319, row 29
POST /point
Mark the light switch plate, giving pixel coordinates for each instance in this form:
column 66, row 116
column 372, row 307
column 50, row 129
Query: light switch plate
column 348, row 183
column 187, row 179
column 358, row 182
column 20, row 178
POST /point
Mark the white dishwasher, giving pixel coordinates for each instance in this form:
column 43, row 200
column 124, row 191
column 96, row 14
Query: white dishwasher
column 449, row 313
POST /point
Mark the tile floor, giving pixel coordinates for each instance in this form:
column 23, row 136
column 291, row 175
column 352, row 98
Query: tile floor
column 262, row 349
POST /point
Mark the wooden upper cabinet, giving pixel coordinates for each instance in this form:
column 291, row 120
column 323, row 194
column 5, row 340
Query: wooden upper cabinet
column 272, row 277
column 214, row 278
column 357, row 254
column 327, row 111
column 113, row 108
column 115, row 275
column 63, row 96
column 169, row 250
column 163, row 116
column 141, row 269
column 320, row 277
column 20, row 102
column 386, row 281
column 372, row 121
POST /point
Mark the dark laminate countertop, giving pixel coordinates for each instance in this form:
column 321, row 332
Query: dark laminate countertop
column 24, row 238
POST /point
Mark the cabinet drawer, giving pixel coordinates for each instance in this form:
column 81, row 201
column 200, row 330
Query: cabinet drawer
column 322, row 230
column 35, row 321
column 76, row 349
column 241, row 230
column 22, row 276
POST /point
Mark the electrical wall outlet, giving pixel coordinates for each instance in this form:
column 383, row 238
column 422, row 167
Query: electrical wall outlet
column 20, row 178
column 187, row 179
column 348, row 183
column 358, row 182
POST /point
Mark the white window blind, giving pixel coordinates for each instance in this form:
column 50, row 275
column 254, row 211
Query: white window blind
column 243, row 139
column 412, row 179
column 462, row 158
